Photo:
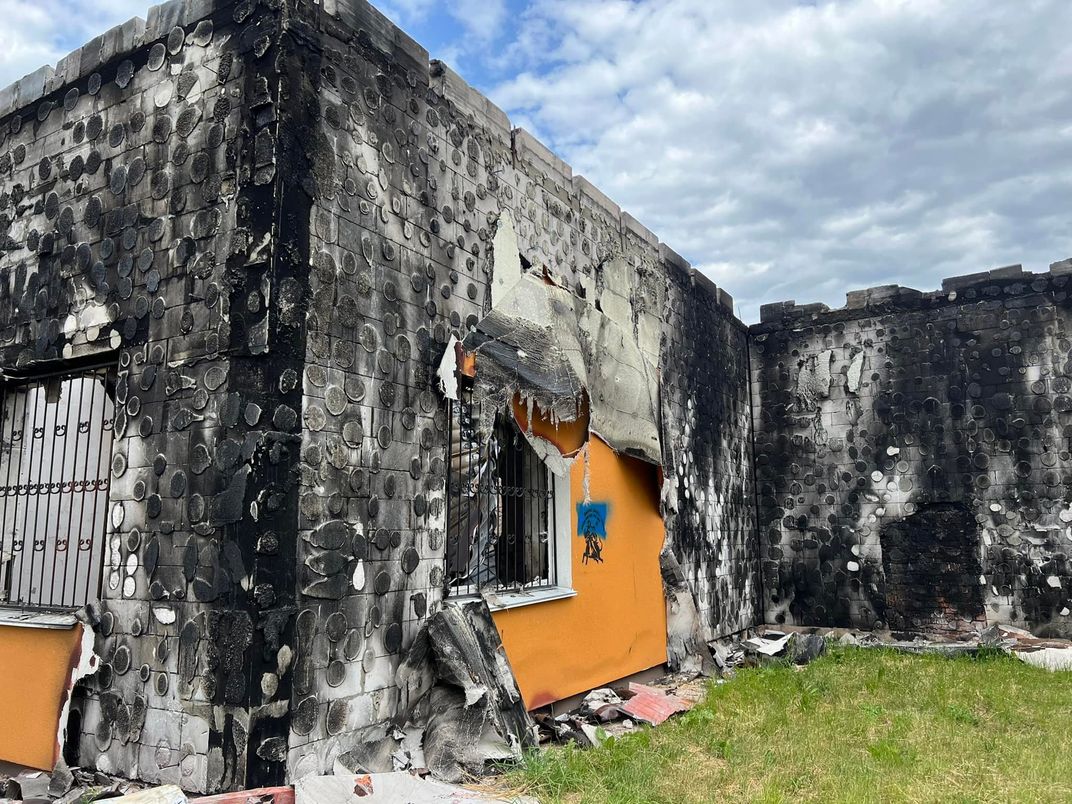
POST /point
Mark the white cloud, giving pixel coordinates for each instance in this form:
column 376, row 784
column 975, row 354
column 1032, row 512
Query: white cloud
column 800, row 151
column 482, row 19
column 39, row 32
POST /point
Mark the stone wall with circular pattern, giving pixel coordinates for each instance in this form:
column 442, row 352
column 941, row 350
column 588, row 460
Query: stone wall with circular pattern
column 913, row 459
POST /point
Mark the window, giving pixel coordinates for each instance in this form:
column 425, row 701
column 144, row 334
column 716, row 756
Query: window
column 507, row 514
column 55, row 455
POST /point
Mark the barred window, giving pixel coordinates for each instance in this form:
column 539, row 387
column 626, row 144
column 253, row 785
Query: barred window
column 55, row 455
column 503, row 523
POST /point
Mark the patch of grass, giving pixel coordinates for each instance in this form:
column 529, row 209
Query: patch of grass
column 856, row 725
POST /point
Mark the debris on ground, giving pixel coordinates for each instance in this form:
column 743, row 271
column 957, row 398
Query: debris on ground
column 613, row 711
column 80, row 786
column 168, row 794
column 464, row 708
column 796, row 647
column 388, row 788
column 650, row 705
column 70, row 786
column 803, row 645
column 261, row 795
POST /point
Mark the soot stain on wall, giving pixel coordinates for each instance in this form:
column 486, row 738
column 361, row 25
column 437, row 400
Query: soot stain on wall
column 930, row 560
column 957, row 398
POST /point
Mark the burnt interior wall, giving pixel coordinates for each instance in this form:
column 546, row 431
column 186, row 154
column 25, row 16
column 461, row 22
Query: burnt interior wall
column 708, row 494
column 872, row 419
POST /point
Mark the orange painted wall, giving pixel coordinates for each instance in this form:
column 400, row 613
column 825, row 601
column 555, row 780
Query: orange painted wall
column 35, row 665
column 616, row 623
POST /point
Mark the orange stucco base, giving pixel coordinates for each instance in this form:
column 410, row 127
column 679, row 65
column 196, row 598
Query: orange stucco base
column 616, row 624
column 35, row 669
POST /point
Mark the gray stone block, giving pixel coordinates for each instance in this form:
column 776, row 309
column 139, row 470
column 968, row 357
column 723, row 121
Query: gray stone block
column 812, row 309
column 1061, row 267
column 455, row 89
column 639, row 230
column 586, row 190
column 32, row 87
column 856, row 299
column 162, row 18
column 703, row 282
column 91, row 56
column 360, row 16
column 529, row 149
column 725, row 300
column 9, row 97
column 967, row 280
column 672, row 259
column 775, row 311
column 1008, row 272
column 880, row 293
column 125, row 38
column 67, row 69
column 499, row 120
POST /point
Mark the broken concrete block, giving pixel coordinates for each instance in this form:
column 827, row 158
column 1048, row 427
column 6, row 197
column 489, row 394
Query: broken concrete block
column 529, row 149
column 805, row 648
column 1061, row 267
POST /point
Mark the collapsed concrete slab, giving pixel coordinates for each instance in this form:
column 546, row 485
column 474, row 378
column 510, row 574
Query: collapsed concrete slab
column 460, row 697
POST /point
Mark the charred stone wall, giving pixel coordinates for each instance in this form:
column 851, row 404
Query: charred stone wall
column 709, row 501
column 272, row 216
column 411, row 173
column 912, row 456
column 138, row 200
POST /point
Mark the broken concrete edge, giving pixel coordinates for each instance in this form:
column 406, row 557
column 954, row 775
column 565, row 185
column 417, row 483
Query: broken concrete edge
column 381, row 33
column 996, row 283
column 84, row 663
column 461, row 696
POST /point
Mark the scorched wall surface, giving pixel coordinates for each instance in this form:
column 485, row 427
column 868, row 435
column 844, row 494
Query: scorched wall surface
column 409, row 174
column 137, row 202
column 271, row 217
column 913, row 458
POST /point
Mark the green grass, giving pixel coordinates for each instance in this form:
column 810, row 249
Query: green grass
column 857, row 725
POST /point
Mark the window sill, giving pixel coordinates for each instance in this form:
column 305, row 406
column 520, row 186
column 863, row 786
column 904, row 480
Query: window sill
column 515, row 600
column 28, row 618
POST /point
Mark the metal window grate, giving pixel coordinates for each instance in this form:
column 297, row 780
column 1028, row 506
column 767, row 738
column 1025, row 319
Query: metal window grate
column 55, row 455
column 501, row 516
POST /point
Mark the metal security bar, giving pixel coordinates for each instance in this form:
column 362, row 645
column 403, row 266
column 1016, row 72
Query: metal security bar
column 501, row 515
column 55, row 455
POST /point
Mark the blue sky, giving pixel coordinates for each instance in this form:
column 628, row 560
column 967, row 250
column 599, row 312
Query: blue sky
column 788, row 150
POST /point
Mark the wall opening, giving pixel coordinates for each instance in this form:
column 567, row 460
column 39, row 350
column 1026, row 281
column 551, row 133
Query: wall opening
column 55, row 456
column 502, row 514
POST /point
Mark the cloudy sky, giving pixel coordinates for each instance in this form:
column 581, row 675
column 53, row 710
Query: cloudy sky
column 788, row 149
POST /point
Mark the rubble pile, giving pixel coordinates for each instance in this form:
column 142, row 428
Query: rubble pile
column 801, row 646
column 613, row 711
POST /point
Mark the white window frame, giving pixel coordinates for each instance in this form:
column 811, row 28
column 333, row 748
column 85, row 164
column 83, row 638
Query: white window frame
column 563, row 588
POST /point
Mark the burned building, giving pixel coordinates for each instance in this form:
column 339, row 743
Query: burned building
column 339, row 347
column 342, row 423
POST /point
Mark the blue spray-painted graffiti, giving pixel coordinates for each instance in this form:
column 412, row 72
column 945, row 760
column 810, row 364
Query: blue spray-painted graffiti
column 592, row 527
